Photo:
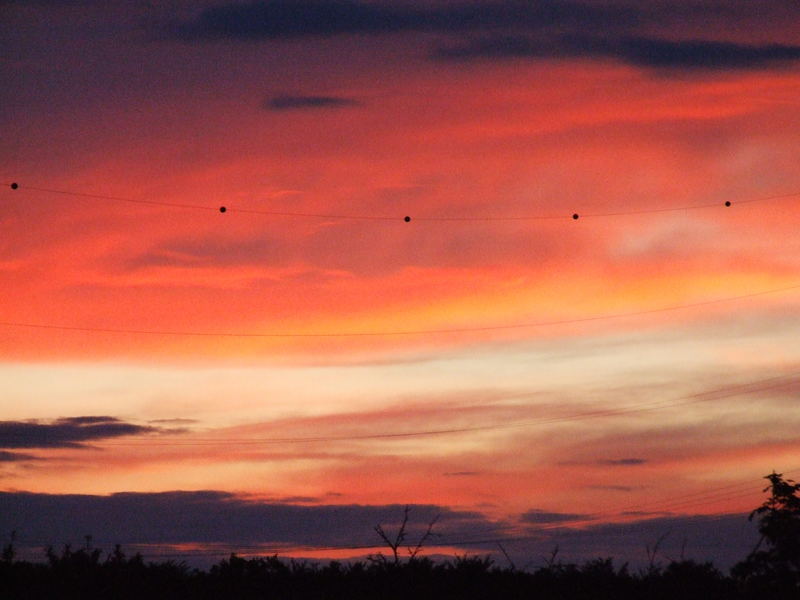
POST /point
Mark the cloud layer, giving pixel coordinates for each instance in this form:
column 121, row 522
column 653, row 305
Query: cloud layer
column 221, row 522
column 214, row 517
column 10, row 457
column 509, row 30
column 288, row 19
column 71, row 432
column 653, row 53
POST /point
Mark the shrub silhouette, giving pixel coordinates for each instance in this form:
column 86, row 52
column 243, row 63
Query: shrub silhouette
column 774, row 573
column 689, row 580
column 84, row 575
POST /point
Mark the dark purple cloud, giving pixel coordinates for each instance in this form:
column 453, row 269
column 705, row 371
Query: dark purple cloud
column 513, row 29
column 71, row 432
column 214, row 517
column 289, row 102
column 156, row 522
column 6, row 457
column 652, row 53
column 302, row 18
column 698, row 54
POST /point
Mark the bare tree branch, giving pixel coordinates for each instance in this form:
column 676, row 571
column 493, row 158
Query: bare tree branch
column 651, row 554
column 402, row 533
column 428, row 534
column 551, row 560
column 399, row 538
column 508, row 558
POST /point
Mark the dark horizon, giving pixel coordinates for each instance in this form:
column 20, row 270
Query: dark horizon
column 204, row 527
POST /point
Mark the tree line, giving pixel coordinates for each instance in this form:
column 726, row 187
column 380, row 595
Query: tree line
column 770, row 572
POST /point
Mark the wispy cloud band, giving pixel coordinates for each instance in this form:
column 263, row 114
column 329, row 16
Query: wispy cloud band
column 654, row 53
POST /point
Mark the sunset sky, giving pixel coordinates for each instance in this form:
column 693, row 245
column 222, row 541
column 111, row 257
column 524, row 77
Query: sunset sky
column 285, row 375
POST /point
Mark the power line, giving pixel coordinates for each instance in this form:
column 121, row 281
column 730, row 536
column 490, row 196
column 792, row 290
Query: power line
column 406, row 218
column 697, row 398
column 694, row 498
column 222, row 209
column 411, row 332
column 761, row 385
column 700, row 498
column 751, row 387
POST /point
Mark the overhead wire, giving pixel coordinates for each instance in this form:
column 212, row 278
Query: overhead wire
column 704, row 497
column 432, row 331
column 761, row 385
column 682, row 501
column 204, row 207
column 708, row 497
column 364, row 217
column 388, row 333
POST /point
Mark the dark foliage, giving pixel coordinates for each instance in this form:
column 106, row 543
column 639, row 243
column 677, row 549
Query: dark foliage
column 84, row 574
column 774, row 572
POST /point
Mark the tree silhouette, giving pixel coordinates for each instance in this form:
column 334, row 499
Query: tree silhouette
column 394, row 544
column 775, row 570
